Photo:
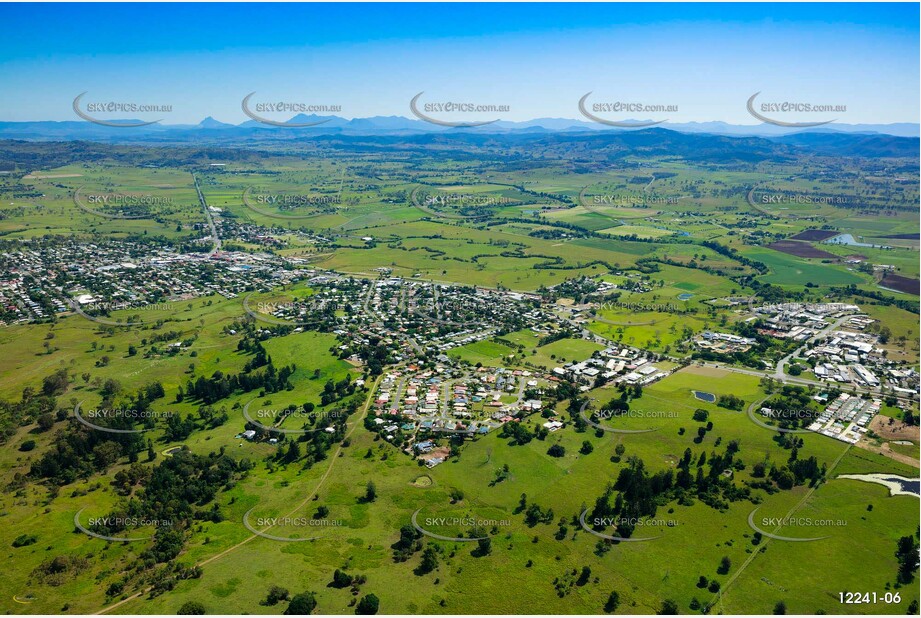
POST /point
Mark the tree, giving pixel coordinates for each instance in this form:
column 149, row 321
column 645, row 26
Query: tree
column 584, row 576
column 55, row 384
column 785, row 478
column 725, row 565
column 613, row 602
column 429, row 561
column 557, row 450
column 907, row 555
column 586, row 447
column 483, row 547
column 341, row 579
column 276, row 594
column 293, row 453
column 669, row 608
column 780, row 608
column 191, row 608
column 370, row 492
column 368, row 605
column 302, row 604
column 45, row 421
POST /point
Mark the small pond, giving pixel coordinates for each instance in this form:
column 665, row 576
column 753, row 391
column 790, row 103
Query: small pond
column 708, row 397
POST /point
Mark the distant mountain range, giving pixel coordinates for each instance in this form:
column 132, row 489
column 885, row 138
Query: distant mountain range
column 398, row 125
column 586, row 149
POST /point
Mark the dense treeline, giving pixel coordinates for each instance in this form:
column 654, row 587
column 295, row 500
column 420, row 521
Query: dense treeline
column 221, row 385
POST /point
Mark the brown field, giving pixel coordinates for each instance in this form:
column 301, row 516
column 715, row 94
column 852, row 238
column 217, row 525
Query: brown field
column 801, row 249
column 902, row 284
column 814, row 235
column 886, row 451
column 894, row 430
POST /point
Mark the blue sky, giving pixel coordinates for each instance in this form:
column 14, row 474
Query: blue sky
column 538, row 59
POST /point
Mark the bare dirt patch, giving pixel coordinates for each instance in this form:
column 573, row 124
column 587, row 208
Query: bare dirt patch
column 801, row 249
column 894, row 430
column 886, row 451
column 710, row 372
column 442, row 452
column 48, row 176
column 814, row 235
column 901, row 284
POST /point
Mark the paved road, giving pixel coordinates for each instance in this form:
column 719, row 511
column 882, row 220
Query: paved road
column 214, row 235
